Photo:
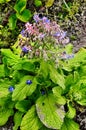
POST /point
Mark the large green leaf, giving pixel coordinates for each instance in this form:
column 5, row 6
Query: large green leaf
column 22, row 90
column 12, row 21
column 31, row 121
column 24, row 16
column 57, row 91
column 17, row 120
column 5, row 113
column 49, row 112
column 20, row 5
column 69, row 125
column 56, row 77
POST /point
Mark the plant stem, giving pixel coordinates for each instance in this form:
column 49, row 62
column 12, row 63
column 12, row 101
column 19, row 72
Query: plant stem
column 66, row 5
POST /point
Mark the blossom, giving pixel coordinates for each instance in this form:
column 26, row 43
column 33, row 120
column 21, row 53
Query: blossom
column 45, row 20
column 25, row 49
column 67, row 56
column 11, row 88
column 41, row 36
column 23, row 33
column 65, row 40
column 36, row 18
column 57, row 34
column 28, row 82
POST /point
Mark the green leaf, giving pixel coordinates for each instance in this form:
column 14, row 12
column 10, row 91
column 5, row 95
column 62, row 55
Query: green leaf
column 25, row 64
column 22, row 105
column 22, row 90
column 20, row 6
column 9, row 54
column 56, row 77
column 24, row 16
column 37, row 3
column 4, row 1
column 68, row 82
column 2, row 73
column 44, row 128
column 57, row 91
column 69, row 125
column 3, row 92
column 76, row 77
column 44, row 70
column 17, row 120
column 50, row 114
column 49, row 3
column 12, row 21
column 78, row 92
column 79, row 58
column 71, row 111
column 69, row 48
column 5, row 113
column 31, row 121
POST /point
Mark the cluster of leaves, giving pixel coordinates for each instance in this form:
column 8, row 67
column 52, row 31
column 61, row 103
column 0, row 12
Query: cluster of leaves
column 39, row 91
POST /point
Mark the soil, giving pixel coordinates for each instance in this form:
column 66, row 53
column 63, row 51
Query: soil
column 76, row 30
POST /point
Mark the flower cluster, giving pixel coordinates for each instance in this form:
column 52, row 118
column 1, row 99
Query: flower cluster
column 41, row 36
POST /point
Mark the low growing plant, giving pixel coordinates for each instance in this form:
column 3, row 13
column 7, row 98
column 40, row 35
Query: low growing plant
column 36, row 90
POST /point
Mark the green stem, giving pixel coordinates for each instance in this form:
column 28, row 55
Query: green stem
column 66, row 5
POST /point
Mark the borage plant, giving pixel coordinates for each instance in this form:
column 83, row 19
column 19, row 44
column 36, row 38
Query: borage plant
column 40, row 91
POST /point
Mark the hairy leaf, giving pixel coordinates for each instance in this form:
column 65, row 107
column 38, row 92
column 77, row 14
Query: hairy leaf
column 5, row 113
column 57, row 91
column 17, row 120
column 22, row 90
column 31, row 121
column 71, row 111
column 50, row 114
column 69, row 125
column 56, row 77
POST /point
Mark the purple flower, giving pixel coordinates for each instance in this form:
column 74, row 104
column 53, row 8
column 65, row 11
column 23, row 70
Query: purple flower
column 67, row 56
column 11, row 89
column 25, row 49
column 36, row 18
column 63, row 35
column 57, row 34
column 28, row 82
column 41, row 36
column 23, row 33
column 43, row 92
column 45, row 20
